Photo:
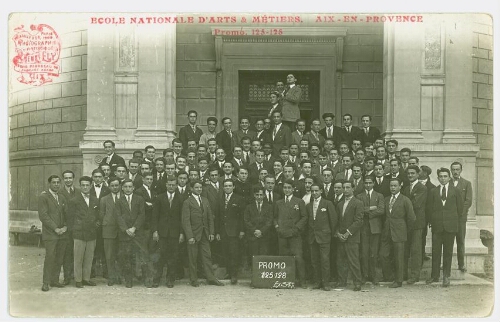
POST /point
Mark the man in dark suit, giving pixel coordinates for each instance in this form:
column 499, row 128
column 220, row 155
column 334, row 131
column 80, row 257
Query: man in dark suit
column 111, row 158
column 370, row 133
column 262, row 134
column 350, row 132
column 271, row 197
column 350, row 214
column 198, row 226
column 328, row 191
column 426, row 181
column 298, row 134
column 417, row 193
column 254, row 168
column 331, row 131
column 212, row 191
column 83, row 211
column 281, row 135
column 291, row 101
column 313, row 136
column 322, row 222
column 68, row 191
column 52, row 214
column 107, row 217
column 159, row 176
column 244, row 130
column 373, row 215
column 133, row 172
column 275, row 104
column 397, row 172
column 226, row 138
column 346, row 173
column 465, row 188
column 447, row 209
column 399, row 219
column 167, row 231
column 357, row 178
column 230, row 227
column 381, row 180
column 258, row 218
column 190, row 131
column 98, row 188
column 131, row 216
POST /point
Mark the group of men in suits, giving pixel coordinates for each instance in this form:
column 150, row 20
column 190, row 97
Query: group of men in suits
column 338, row 199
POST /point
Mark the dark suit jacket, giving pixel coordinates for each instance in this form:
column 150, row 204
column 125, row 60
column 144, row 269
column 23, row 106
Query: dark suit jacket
column 230, row 219
column 115, row 160
column 383, row 188
column 290, row 217
column 373, row 134
column 360, row 187
column 104, row 191
column 465, row 188
column 445, row 218
column 133, row 217
column 159, row 186
column 312, row 139
column 331, row 193
column 227, row 142
column 291, row 101
column 399, row 220
column 83, row 218
column 335, row 202
column 52, row 215
column 107, row 215
column 283, row 138
column 244, row 189
column 418, row 198
column 196, row 219
column 338, row 135
column 404, row 178
column 186, row 134
column 264, row 137
column 67, row 195
column 212, row 194
column 296, row 138
column 375, row 216
column 240, row 135
column 352, row 219
column 253, row 173
column 428, row 209
column 276, row 196
column 258, row 221
column 137, row 181
column 356, row 133
column 279, row 108
column 166, row 219
column 148, row 209
column 322, row 228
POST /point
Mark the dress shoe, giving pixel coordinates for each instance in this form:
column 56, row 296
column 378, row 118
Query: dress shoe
column 57, row 284
column 411, row 281
column 395, row 285
column 170, row 284
column 88, row 283
column 317, row 286
column 215, row 282
column 446, row 281
column 45, row 287
column 111, row 283
column 338, row 285
column 326, row 288
column 79, row 284
column 234, row 281
column 128, row 284
column 195, row 284
column 67, row 281
column 463, row 269
column 357, row 288
column 431, row 280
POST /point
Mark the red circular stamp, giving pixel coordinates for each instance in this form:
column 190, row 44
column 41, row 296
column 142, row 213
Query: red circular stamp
column 37, row 54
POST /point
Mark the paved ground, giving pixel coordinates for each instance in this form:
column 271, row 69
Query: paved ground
column 470, row 298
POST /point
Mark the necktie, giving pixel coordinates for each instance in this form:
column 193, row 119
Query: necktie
column 170, row 199
column 366, row 130
column 337, row 198
column 315, row 208
column 327, row 189
column 182, row 191
column 378, row 180
column 346, row 174
column 274, row 131
column 411, row 187
column 259, row 207
column 455, row 183
column 109, row 160
column 129, row 203
column 329, row 132
column 230, row 134
column 258, row 166
column 347, row 129
column 368, row 197
column 443, row 193
column 227, row 200
column 391, row 203
column 201, row 204
column 57, row 198
column 86, row 197
column 346, row 203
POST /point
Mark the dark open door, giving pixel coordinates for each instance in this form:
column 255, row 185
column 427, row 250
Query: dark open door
column 255, row 88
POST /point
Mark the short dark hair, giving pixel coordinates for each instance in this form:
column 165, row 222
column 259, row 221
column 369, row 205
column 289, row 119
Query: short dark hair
column 167, row 151
column 228, row 180
column 97, row 171
column 160, row 159
column 426, row 169
column 85, row 178
column 289, row 181
column 405, row 150
column 328, row 114
column 54, row 176
column 68, row 171
column 305, row 161
column 299, row 120
column 348, row 155
column 370, row 176
column 111, row 179
column 134, row 160
column 181, row 172
column 443, row 170
column 347, row 114
column 396, row 179
column 392, row 141
column 192, row 183
column 280, row 113
column 257, row 188
column 192, row 111
column 149, row 147
column 224, row 119
column 108, row 141
column 366, row 115
column 413, row 167
column 212, row 119
column 456, row 163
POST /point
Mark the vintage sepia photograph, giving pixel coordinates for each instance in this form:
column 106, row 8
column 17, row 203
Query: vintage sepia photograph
column 250, row 164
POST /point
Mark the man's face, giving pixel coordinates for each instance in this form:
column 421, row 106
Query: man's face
column 277, row 167
column 237, row 152
column 144, row 167
column 192, row 145
column 97, row 178
column 394, row 167
column 327, row 176
column 322, row 160
column 220, row 155
column 343, row 149
column 314, row 151
column 328, row 121
column 159, row 166
column 85, row 186
column 244, row 124
column 243, row 175
column 337, row 188
column 267, row 124
column 334, row 155
column 128, row 188
column 285, row 155
column 287, row 189
column 137, row 155
column 181, row 163
column 405, row 156
column 170, row 169
column 280, row 86
column 267, row 149
column 360, row 156
column 369, row 165
column 294, row 150
column 171, row 186
column 148, row 180
column 177, row 147
column 114, row 186
column 202, row 151
column 381, row 153
column 290, row 79
column 68, row 179
column 108, row 147
column 304, row 145
column 306, row 169
column 192, row 118
column 133, row 167
column 259, row 156
column 193, row 175
column 412, row 161
column 369, row 149
column 150, row 153
column 301, row 126
column 379, row 170
column 214, row 176
column 365, row 121
column 256, row 146
column 443, row 178
column 315, row 126
column 169, row 157
column 347, row 120
column 308, row 183
column 456, row 171
column 274, row 99
column 288, row 172
column 277, row 118
column 246, row 145
column 346, row 162
column 303, row 156
column 394, row 186
column 197, row 188
column 368, row 183
column 211, row 125
column 191, row 158
column 106, row 169
column 328, row 145
column 356, row 144
column 212, row 146
column 270, row 182
column 227, row 124
column 121, row 172
column 391, row 147
column 55, row 184
column 316, row 192
column 203, row 165
column 377, row 143
column 182, row 180
column 258, row 196
column 259, row 125
column 356, row 172
column 262, row 174
column 348, row 189
column 412, row 174
column 227, row 168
